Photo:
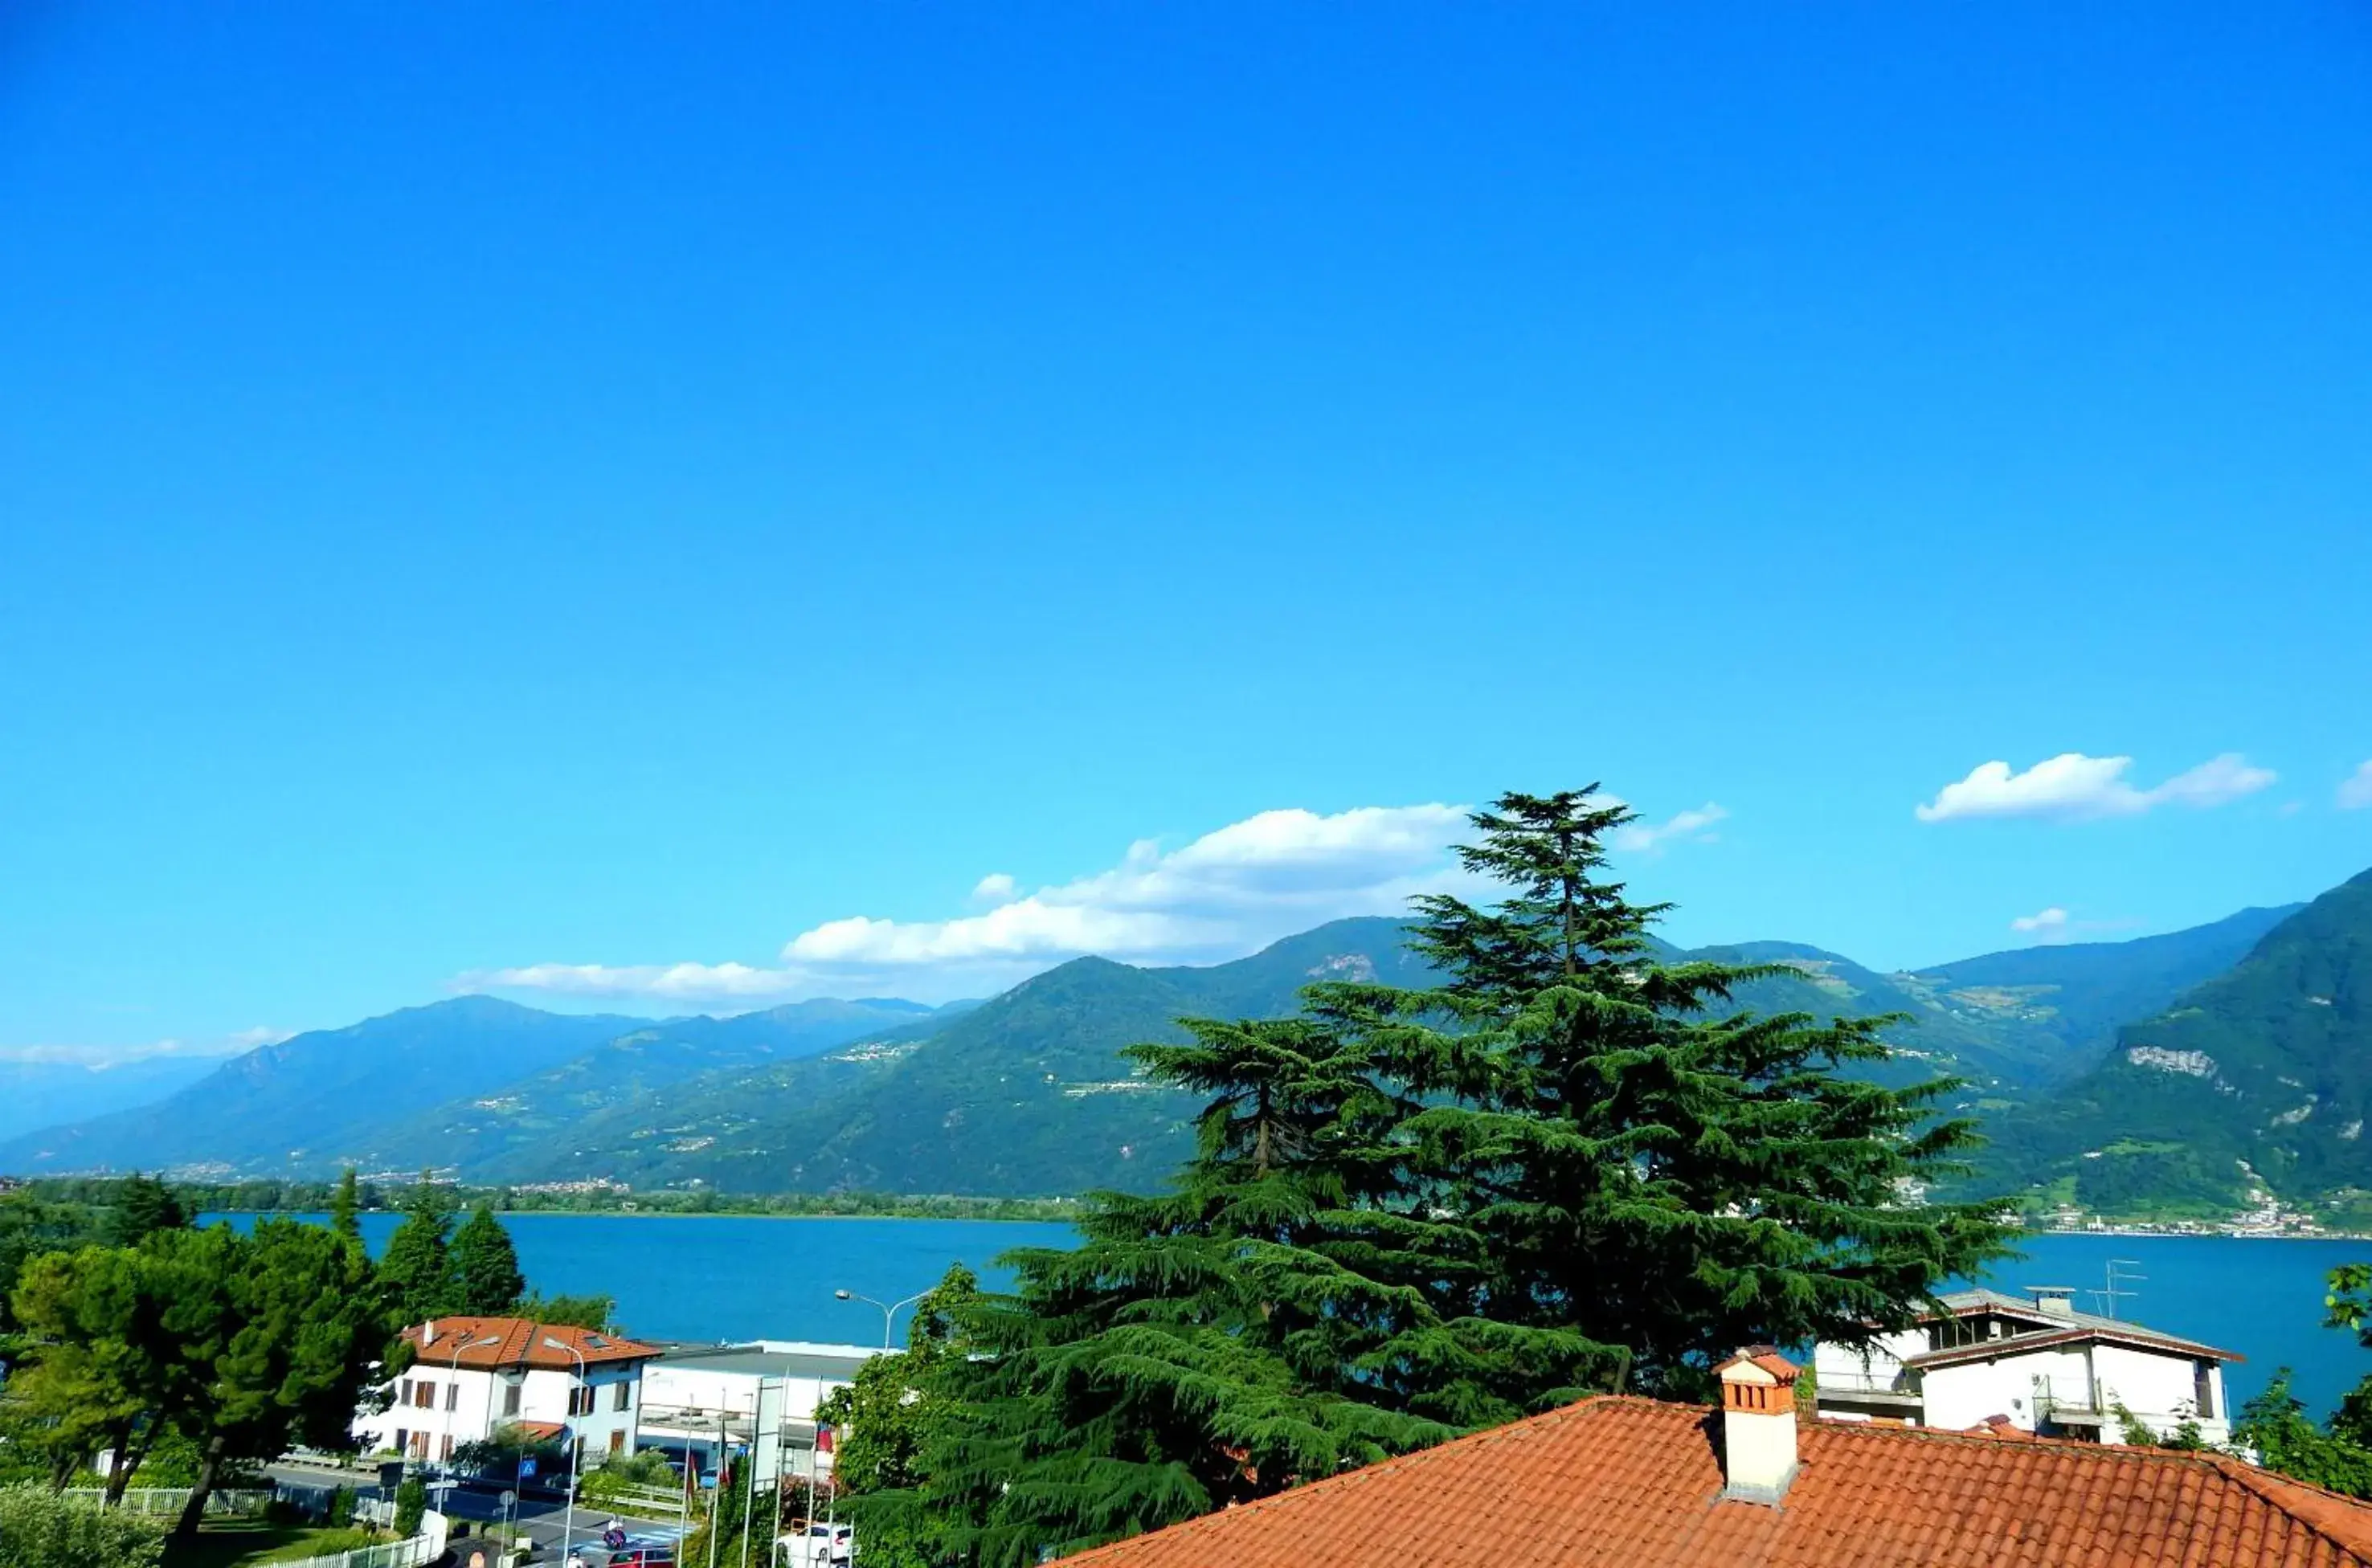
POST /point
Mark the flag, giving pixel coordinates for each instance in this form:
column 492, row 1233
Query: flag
column 823, row 1439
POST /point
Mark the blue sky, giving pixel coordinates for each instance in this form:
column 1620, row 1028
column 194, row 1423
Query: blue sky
column 539, row 495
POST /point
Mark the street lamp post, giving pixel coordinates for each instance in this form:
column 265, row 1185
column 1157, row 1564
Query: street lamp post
column 454, row 1366
column 890, row 1310
column 568, row 1530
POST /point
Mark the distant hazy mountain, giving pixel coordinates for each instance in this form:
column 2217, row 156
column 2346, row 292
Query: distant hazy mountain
column 2269, row 1063
column 1025, row 1093
column 41, row 1094
column 479, row 1129
column 306, row 1102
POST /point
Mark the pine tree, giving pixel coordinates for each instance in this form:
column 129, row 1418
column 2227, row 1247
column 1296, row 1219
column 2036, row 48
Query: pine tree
column 346, row 1207
column 1640, row 1162
column 1200, row 1348
column 415, row 1273
column 485, row 1269
column 143, row 1205
column 1570, row 1166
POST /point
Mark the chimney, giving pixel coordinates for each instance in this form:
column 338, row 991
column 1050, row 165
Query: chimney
column 2057, row 1300
column 1758, row 1424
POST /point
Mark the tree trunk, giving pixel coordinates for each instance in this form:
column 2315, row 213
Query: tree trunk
column 195, row 1508
column 128, row 1460
column 118, row 1471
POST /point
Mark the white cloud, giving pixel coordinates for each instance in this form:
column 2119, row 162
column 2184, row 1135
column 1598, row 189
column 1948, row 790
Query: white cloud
column 2074, row 787
column 1220, row 896
column 1649, row 837
column 2356, row 790
column 682, row 982
column 1227, row 892
column 2056, row 925
column 98, row 1058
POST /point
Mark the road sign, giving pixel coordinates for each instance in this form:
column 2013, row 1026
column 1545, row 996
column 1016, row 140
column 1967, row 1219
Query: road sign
column 508, row 1498
column 527, row 1469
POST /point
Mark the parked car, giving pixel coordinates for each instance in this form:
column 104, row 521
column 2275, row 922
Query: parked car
column 820, row 1546
column 643, row 1557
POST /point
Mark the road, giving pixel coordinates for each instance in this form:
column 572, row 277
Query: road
column 537, row 1515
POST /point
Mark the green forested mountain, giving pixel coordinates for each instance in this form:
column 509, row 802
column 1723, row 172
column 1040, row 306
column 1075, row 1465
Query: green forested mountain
column 1025, row 1094
column 2265, row 1069
column 2057, row 1007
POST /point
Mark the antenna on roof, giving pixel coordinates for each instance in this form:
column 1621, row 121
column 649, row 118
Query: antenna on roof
column 2118, row 1270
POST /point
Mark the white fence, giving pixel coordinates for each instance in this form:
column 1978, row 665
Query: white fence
column 173, row 1499
column 420, row 1549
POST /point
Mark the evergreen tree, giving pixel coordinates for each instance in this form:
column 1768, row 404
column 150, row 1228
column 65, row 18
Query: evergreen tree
column 1200, row 1348
column 346, row 1207
column 485, row 1266
column 1569, row 1167
column 415, row 1273
column 143, row 1206
column 1640, row 1164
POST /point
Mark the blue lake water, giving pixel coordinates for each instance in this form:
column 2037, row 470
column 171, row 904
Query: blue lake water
column 749, row 1278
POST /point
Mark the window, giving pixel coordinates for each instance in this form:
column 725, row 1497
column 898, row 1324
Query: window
column 625, row 1396
column 404, row 1397
column 424, row 1394
column 617, row 1441
column 580, row 1400
column 452, row 1396
column 402, row 1439
column 2204, row 1390
column 447, row 1452
column 510, row 1399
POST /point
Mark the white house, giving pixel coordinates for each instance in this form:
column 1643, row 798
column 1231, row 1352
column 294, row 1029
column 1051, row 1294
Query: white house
column 2034, row 1360
column 472, row 1377
column 699, row 1401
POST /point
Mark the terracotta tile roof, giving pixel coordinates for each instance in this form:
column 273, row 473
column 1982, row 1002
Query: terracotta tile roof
column 2018, row 1344
column 543, row 1428
column 518, row 1343
column 1627, row 1483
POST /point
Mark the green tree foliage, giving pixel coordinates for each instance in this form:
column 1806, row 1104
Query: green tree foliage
column 485, row 1266
column 41, row 1529
column 1629, row 1157
column 881, row 1419
column 144, row 1205
column 598, row 1312
column 29, row 1227
column 1418, row 1211
column 118, row 1339
column 411, row 1503
column 2275, row 1426
column 416, row 1270
column 302, row 1339
column 346, row 1207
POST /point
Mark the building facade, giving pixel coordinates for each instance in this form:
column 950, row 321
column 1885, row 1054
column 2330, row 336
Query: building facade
column 701, row 1402
column 472, row 1378
column 2033, row 1361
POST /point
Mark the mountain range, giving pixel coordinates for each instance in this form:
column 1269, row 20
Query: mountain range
column 1025, row 1093
column 2258, row 1080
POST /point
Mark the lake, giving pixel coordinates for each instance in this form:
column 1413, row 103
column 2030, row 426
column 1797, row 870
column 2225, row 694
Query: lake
column 736, row 1277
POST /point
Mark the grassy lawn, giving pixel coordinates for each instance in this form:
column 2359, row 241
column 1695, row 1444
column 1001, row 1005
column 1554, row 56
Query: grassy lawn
column 234, row 1543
